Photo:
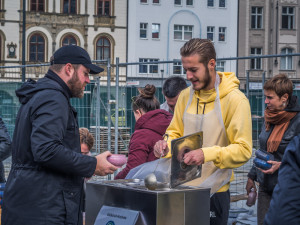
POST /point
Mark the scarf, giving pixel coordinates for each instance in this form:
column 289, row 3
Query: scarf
column 281, row 120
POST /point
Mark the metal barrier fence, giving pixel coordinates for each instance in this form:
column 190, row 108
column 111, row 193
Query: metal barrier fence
column 106, row 106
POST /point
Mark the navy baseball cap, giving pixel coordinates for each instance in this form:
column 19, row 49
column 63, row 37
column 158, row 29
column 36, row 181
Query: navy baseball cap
column 75, row 55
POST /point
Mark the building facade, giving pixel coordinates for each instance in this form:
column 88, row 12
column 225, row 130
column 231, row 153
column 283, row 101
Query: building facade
column 158, row 29
column 99, row 26
column 268, row 27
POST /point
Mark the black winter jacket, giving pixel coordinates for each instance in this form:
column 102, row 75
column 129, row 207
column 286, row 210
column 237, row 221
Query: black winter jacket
column 285, row 203
column 45, row 185
column 5, row 148
column 267, row 182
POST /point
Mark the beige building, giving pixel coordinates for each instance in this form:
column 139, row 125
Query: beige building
column 99, row 26
column 268, row 27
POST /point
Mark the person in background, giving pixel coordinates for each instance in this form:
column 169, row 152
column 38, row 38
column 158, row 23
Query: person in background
column 214, row 105
column 45, row 184
column 285, row 203
column 86, row 144
column 282, row 123
column 151, row 124
column 86, row 141
column 5, row 148
column 171, row 90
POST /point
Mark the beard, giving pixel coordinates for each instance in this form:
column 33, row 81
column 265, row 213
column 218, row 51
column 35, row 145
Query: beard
column 75, row 86
column 206, row 80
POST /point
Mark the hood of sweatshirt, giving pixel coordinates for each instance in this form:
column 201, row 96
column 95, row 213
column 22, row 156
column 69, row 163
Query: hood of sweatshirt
column 228, row 82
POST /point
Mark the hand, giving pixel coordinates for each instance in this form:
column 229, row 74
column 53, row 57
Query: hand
column 273, row 169
column 250, row 184
column 103, row 166
column 195, row 157
column 161, row 148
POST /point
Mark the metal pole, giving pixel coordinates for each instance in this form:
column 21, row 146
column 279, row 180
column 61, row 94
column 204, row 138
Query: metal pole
column 108, row 107
column 262, row 89
column 117, row 106
column 162, row 78
column 98, row 116
column 23, row 41
column 247, row 84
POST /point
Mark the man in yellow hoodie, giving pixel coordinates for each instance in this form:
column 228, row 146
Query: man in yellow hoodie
column 213, row 104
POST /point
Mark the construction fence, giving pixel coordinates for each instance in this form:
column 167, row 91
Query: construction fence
column 106, row 110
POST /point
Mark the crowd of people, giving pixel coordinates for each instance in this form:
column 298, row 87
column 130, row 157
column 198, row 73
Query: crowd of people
column 51, row 158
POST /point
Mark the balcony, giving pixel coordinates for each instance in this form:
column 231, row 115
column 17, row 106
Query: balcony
column 104, row 21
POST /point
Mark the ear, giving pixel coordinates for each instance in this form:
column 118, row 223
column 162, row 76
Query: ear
column 211, row 64
column 69, row 69
column 285, row 97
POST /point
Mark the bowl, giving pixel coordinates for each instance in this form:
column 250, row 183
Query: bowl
column 117, row 160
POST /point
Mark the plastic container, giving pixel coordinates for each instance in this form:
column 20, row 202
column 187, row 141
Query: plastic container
column 251, row 198
column 264, row 155
column 262, row 164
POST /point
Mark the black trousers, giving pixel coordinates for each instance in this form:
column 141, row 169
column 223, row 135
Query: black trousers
column 219, row 208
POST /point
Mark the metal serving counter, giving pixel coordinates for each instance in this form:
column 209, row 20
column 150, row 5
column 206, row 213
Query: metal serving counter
column 163, row 206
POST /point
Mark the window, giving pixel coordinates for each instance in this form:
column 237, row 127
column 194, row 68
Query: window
column 256, row 17
column 286, row 61
column 288, row 17
column 189, row 2
column 183, row 32
column 103, row 7
column 155, row 30
column 222, row 31
column 37, row 5
column 177, row 68
column 143, row 30
column 69, row 6
column 210, row 3
column 255, row 64
column 177, row 2
column 210, row 33
column 222, row 3
column 102, row 48
column 69, row 40
column 144, row 1
column 36, row 48
column 148, row 68
column 155, row 1
column 220, row 66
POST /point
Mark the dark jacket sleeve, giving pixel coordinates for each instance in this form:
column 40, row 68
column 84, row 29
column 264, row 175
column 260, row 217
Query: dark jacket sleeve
column 49, row 127
column 5, row 142
column 285, row 203
column 252, row 173
column 138, row 153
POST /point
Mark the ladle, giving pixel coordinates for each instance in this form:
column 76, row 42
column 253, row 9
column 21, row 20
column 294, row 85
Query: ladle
column 151, row 180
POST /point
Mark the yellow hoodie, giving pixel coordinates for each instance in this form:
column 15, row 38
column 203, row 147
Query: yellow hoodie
column 236, row 116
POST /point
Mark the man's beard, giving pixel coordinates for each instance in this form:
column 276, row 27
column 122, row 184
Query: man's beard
column 75, row 86
column 206, row 81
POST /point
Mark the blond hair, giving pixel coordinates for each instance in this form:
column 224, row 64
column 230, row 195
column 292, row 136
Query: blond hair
column 86, row 137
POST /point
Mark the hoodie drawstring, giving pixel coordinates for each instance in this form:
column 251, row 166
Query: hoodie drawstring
column 198, row 106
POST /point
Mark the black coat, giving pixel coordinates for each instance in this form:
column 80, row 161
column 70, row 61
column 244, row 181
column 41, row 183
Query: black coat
column 267, row 182
column 45, row 184
column 285, row 203
column 5, row 148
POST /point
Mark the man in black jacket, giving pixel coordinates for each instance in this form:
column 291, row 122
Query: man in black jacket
column 45, row 184
column 5, row 148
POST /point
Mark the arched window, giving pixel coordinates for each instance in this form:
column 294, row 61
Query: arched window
column 286, row 62
column 36, row 48
column 69, row 40
column 69, row 6
column 102, row 48
column 37, row 5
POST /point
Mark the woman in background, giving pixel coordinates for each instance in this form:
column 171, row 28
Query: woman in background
column 282, row 123
column 151, row 124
